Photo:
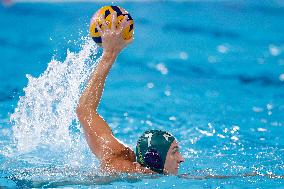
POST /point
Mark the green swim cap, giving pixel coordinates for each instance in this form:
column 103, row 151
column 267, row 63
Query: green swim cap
column 152, row 148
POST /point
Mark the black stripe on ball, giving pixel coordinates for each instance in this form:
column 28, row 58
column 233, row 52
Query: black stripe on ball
column 129, row 17
column 107, row 12
column 131, row 27
column 116, row 9
column 97, row 39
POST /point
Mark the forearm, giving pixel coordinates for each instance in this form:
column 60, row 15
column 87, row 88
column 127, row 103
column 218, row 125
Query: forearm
column 93, row 92
column 112, row 43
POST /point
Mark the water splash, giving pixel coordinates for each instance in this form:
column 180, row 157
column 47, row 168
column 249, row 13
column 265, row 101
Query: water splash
column 45, row 116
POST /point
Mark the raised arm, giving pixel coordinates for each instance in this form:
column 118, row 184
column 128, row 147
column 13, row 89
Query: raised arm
column 98, row 134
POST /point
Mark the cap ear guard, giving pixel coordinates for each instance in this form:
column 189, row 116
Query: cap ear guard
column 153, row 160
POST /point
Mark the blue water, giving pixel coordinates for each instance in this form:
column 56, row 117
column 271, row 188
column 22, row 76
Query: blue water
column 211, row 73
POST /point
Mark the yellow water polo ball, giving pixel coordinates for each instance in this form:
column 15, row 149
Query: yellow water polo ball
column 106, row 12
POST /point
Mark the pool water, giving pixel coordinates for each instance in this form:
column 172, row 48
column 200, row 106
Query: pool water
column 211, row 73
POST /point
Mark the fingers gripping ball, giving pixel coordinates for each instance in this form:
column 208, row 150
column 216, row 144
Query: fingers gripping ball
column 105, row 13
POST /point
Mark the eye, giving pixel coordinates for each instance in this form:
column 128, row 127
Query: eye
column 176, row 150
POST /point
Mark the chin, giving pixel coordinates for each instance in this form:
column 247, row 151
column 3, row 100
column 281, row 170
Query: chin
column 175, row 172
column 172, row 172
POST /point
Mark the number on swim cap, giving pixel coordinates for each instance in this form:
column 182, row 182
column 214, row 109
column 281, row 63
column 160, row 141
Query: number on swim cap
column 149, row 136
column 166, row 136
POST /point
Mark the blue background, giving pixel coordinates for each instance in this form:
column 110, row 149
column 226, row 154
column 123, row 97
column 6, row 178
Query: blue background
column 211, row 73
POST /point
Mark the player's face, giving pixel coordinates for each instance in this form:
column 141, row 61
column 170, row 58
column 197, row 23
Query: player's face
column 173, row 159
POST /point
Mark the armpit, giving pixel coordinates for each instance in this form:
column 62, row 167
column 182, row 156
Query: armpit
column 126, row 154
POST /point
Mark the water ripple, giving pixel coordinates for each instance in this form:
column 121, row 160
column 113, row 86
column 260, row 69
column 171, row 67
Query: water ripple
column 8, row 94
column 30, row 11
column 211, row 73
column 200, row 30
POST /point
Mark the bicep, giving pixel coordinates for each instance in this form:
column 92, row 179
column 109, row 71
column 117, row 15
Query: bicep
column 99, row 135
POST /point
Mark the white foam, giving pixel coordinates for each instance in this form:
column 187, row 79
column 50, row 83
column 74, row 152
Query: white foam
column 46, row 114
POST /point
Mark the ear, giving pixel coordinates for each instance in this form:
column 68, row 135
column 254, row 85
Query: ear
column 153, row 159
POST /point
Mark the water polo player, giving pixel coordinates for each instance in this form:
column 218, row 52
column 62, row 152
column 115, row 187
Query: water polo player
column 157, row 151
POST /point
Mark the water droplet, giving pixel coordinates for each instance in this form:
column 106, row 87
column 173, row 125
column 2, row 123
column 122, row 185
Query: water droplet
column 150, row 85
column 172, row 118
column 257, row 109
column 183, row 55
column 281, row 77
column 261, row 129
column 274, row 50
column 149, row 123
column 221, row 136
column 167, row 92
column 234, row 138
column 269, row 106
column 162, row 68
column 222, row 49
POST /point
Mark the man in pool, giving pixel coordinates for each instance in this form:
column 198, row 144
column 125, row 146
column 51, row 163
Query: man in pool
column 156, row 151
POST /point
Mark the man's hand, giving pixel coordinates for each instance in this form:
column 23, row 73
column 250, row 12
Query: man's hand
column 112, row 40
